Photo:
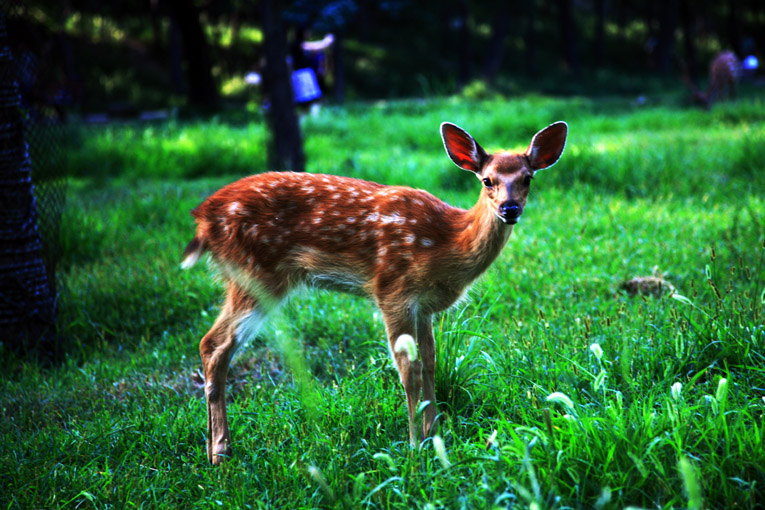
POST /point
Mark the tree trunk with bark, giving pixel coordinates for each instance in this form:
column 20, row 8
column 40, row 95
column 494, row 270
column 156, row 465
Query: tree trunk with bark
column 496, row 51
column 531, row 39
column 689, row 64
column 27, row 300
column 285, row 147
column 666, row 40
column 569, row 34
column 600, row 31
column 202, row 91
column 338, row 63
column 465, row 70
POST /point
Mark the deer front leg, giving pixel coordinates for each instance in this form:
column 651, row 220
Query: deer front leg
column 427, row 348
column 400, row 322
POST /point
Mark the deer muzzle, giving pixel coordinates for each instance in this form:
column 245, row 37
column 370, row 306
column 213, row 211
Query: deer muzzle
column 509, row 212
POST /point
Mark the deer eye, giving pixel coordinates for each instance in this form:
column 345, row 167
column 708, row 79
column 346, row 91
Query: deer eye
column 486, row 182
column 527, row 180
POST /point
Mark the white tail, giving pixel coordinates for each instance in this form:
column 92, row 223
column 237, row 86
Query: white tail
column 410, row 252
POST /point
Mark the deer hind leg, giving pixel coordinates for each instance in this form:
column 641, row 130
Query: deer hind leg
column 427, row 348
column 400, row 321
column 238, row 320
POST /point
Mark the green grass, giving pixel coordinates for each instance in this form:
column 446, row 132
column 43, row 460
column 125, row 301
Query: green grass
column 663, row 190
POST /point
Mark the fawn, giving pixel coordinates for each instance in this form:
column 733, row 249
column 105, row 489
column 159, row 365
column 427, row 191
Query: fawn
column 724, row 74
column 411, row 253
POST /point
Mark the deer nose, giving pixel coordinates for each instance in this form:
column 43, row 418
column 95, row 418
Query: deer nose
column 510, row 212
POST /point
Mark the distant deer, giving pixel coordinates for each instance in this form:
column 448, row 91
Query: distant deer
column 411, row 253
column 724, row 73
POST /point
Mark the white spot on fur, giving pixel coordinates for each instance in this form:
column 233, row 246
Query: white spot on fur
column 413, row 221
column 316, row 221
column 382, row 251
column 309, row 189
column 409, row 239
column 234, row 207
column 394, row 218
column 351, row 219
column 427, row 243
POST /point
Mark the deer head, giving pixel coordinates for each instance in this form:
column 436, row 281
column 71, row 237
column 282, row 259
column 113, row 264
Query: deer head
column 506, row 176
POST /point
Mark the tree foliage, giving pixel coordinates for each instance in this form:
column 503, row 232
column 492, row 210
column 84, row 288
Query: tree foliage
column 131, row 51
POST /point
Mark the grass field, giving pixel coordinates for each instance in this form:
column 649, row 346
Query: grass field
column 558, row 388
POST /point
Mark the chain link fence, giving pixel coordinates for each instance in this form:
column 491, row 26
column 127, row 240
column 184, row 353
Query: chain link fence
column 33, row 171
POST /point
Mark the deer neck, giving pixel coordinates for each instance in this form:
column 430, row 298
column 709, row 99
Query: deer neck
column 482, row 237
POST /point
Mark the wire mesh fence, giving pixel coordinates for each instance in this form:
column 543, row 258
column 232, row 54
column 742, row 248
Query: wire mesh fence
column 33, row 187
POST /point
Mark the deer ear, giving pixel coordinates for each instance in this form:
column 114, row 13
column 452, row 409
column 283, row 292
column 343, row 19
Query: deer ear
column 547, row 146
column 461, row 148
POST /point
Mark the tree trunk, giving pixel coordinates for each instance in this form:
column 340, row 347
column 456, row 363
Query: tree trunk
column 531, row 39
column 157, row 41
column 176, row 58
column 734, row 27
column 27, row 301
column 236, row 25
column 202, row 91
column 600, row 22
column 690, row 67
column 465, row 71
column 338, row 69
column 496, row 51
column 285, row 147
column 666, row 41
column 568, row 38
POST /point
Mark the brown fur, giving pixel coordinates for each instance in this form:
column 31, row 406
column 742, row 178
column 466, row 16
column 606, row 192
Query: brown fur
column 724, row 74
column 405, row 249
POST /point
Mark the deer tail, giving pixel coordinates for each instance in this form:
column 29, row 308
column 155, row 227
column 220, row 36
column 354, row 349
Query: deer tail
column 193, row 251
